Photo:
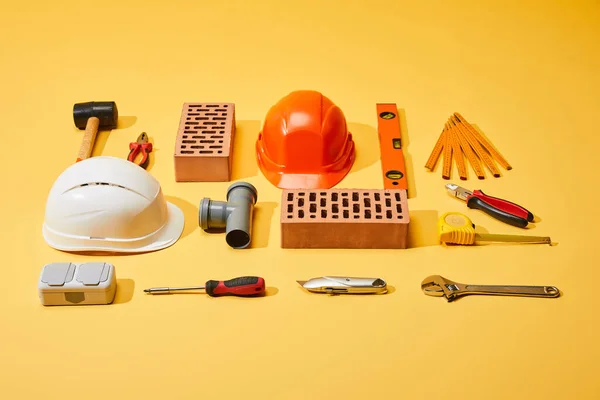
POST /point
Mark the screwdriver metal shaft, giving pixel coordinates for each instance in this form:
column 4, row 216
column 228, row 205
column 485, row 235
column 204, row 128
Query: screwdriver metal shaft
column 167, row 290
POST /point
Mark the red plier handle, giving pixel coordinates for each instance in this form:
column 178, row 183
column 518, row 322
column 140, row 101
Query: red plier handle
column 500, row 209
column 140, row 145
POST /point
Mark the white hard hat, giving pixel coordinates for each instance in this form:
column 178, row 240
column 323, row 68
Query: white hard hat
column 109, row 204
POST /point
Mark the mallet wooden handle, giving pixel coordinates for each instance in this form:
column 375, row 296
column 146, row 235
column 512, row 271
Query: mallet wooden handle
column 91, row 129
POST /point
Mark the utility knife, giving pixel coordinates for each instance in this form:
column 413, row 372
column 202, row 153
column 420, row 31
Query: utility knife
column 345, row 285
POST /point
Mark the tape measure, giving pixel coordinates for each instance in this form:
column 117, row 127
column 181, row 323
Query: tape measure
column 457, row 228
column 390, row 146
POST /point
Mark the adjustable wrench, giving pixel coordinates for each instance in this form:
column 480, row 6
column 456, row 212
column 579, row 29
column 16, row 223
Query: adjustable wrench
column 439, row 286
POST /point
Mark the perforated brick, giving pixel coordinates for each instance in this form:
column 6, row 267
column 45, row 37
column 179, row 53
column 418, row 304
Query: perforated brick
column 344, row 218
column 204, row 145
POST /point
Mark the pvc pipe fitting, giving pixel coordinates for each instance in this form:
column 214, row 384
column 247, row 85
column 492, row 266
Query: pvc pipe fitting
column 235, row 215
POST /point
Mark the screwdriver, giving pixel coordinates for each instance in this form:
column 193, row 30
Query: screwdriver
column 456, row 228
column 244, row 286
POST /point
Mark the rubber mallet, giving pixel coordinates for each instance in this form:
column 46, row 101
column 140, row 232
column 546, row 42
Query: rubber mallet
column 92, row 116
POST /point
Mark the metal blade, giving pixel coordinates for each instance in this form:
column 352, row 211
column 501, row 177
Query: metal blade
column 301, row 283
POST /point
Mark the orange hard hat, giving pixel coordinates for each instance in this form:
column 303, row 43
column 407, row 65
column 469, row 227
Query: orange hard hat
column 305, row 143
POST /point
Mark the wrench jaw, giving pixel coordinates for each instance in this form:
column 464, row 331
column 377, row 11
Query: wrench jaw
column 438, row 286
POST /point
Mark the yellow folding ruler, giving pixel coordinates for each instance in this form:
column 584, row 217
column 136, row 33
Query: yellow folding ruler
column 459, row 138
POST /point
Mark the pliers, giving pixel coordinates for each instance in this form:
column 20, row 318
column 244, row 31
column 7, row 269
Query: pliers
column 502, row 210
column 141, row 144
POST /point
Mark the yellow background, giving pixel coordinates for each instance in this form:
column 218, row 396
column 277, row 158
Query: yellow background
column 525, row 72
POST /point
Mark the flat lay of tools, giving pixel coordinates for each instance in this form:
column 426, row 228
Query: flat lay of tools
column 141, row 145
column 244, row 286
column 503, row 210
column 460, row 139
column 305, row 148
column 438, row 286
column 456, row 228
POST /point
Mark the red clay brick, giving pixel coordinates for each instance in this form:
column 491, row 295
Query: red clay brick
column 344, row 218
column 204, row 145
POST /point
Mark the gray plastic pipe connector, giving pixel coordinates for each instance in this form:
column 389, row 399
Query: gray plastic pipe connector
column 235, row 215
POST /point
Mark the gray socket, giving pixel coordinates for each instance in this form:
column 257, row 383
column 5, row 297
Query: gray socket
column 234, row 215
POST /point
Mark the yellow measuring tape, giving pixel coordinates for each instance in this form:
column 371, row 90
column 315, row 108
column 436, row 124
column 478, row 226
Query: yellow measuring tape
column 457, row 228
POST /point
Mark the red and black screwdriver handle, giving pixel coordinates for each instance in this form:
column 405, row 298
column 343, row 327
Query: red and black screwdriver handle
column 244, row 286
column 134, row 150
column 505, row 211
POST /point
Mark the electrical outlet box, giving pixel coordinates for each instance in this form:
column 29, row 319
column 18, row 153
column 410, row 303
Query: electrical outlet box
column 68, row 284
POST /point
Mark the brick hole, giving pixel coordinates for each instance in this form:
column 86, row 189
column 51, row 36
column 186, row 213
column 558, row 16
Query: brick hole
column 290, row 208
column 323, row 202
column 213, row 105
column 346, row 214
column 377, row 197
column 192, row 123
column 367, row 202
column 193, row 114
column 183, row 147
column 388, row 214
column 344, row 202
column 192, row 131
column 399, row 217
column 221, row 131
column 290, row 196
column 356, row 216
column 387, row 194
column 187, row 152
column 354, row 196
column 368, row 214
column 220, row 141
column 290, row 216
column 323, row 213
column 209, row 123
column 216, row 137
column 323, row 193
column 185, row 136
column 344, row 194
column 334, row 208
column 219, row 118
column 300, row 214
column 188, row 141
column 216, row 146
column 313, row 208
column 197, row 147
column 334, row 196
column 188, row 118
column 356, row 208
column 197, row 137
column 335, row 216
column 378, row 216
column 300, row 202
column 300, row 193
column 212, row 113
column 313, row 216
column 388, row 202
column 312, row 196
column 398, row 208
column 201, row 118
column 378, row 208
column 205, row 152
column 219, row 151
column 397, row 196
column 207, row 141
column 222, row 123
column 207, row 131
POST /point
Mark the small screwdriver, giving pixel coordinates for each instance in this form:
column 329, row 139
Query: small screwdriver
column 244, row 286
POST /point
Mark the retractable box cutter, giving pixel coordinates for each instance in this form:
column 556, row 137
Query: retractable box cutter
column 345, row 285
column 502, row 210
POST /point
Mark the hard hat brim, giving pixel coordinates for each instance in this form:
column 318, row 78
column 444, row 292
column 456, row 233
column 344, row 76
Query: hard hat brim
column 325, row 180
column 166, row 236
